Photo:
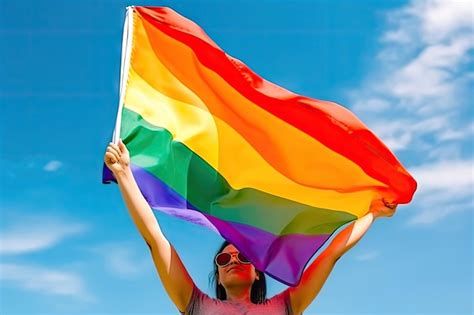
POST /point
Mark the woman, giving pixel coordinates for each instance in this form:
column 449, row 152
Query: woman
column 240, row 288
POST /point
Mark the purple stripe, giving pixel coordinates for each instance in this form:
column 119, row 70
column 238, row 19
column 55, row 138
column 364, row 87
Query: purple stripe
column 281, row 257
column 160, row 197
column 107, row 175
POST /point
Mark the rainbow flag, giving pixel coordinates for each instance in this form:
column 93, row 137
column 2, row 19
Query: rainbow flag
column 273, row 172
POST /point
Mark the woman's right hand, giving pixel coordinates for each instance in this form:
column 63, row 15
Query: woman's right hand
column 382, row 208
column 117, row 157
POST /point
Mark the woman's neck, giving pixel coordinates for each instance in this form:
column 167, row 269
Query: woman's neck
column 238, row 294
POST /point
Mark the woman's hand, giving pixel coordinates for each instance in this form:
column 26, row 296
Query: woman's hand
column 117, row 157
column 381, row 208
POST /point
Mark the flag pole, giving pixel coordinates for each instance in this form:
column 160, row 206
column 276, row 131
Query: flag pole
column 124, row 68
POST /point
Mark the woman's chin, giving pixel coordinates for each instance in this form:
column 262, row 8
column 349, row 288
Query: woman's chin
column 237, row 279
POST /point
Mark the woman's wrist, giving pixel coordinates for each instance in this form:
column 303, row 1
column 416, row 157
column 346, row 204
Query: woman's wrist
column 374, row 214
column 124, row 174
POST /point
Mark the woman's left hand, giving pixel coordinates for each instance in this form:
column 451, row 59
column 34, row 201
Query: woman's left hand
column 381, row 208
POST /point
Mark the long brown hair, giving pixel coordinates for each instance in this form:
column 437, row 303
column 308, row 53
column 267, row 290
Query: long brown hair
column 258, row 292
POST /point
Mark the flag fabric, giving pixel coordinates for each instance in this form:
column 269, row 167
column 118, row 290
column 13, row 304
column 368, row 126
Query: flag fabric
column 211, row 142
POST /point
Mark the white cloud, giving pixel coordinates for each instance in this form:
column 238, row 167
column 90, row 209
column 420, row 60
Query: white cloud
column 122, row 258
column 367, row 256
column 419, row 84
column 464, row 132
column 399, row 142
column 444, row 188
column 399, row 133
column 440, row 19
column 52, row 166
column 450, row 151
column 34, row 233
column 373, row 105
column 456, row 176
column 427, row 216
column 44, row 281
column 433, row 21
column 432, row 76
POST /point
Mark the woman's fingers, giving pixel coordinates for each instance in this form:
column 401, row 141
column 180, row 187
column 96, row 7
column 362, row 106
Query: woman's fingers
column 389, row 205
column 383, row 208
column 110, row 158
column 113, row 152
column 122, row 146
column 114, row 148
column 390, row 211
column 116, row 153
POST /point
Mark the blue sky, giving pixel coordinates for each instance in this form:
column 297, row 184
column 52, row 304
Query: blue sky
column 68, row 245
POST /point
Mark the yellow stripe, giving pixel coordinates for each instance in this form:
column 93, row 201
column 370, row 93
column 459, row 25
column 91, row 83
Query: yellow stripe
column 227, row 152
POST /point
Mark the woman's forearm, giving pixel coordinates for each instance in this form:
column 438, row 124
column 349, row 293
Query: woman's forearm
column 138, row 207
column 173, row 274
column 348, row 237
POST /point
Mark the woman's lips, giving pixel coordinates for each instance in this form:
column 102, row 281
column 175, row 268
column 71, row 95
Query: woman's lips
column 234, row 267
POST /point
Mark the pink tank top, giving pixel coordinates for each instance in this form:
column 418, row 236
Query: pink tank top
column 202, row 304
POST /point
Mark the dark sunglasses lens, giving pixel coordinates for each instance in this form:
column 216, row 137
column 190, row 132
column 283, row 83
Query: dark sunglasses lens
column 223, row 259
column 243, row 259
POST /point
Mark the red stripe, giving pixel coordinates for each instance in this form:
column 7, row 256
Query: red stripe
column 331, row 124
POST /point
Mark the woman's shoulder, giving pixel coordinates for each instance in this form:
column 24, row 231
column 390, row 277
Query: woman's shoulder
column 200, row 301
column 278, row 298
column 280, row 301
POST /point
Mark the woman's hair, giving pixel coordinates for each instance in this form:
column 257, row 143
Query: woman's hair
column 258, row 292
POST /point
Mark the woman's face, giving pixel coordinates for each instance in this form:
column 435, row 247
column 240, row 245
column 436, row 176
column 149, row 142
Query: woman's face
column 235, row 273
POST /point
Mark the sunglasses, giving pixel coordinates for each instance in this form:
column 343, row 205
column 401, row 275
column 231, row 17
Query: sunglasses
column 223, row 259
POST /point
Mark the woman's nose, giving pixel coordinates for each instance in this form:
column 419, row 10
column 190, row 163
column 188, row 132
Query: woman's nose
column 234, row 258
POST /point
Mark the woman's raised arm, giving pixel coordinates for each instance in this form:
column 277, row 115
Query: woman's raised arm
column 317, row 273
column 174, row 276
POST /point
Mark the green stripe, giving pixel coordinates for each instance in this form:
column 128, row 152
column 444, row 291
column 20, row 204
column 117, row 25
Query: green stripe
column 154, row 149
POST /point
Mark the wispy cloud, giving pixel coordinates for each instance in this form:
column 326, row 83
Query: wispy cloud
column 434, row 20
column 426, row 216
column 52, row 166
column 416, row 98
column 421, row 75
column 26, row 234
column 445, row 187
column 21, row 166
column 453, row 133
column 44, row 281
column 367, row 256
column 122, row 258
column 455, row 176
